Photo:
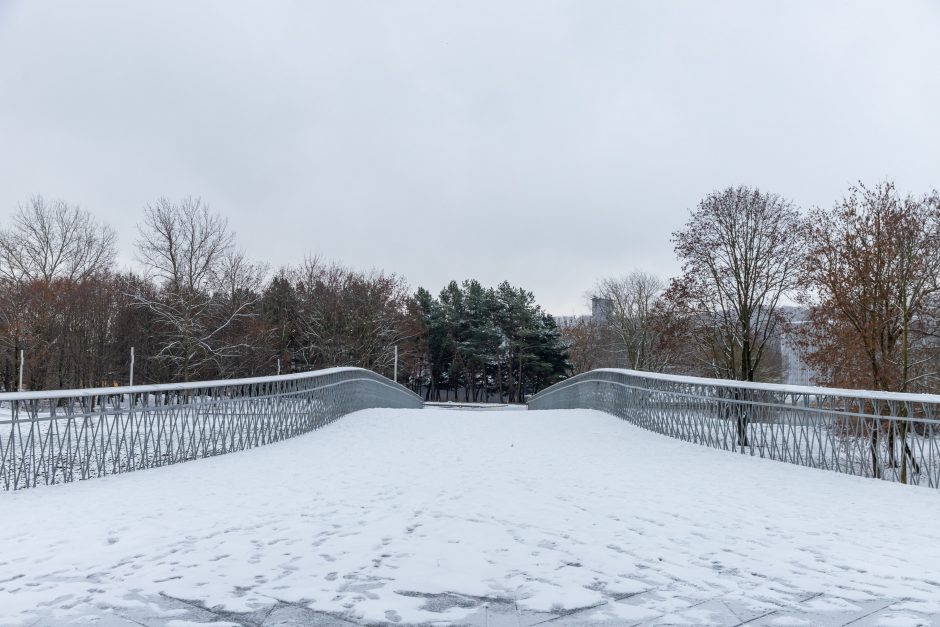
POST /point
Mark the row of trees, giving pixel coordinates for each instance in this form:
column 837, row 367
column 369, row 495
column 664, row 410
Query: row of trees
column 865, row 275
column 489, row 343
column 202, row 310
column 866, row 272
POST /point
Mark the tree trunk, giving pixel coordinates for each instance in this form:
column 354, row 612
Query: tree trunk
column 499, row 376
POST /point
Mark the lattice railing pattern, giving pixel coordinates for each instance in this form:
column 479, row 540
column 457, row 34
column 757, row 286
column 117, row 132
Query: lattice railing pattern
column 885, row 435
column 56, row 437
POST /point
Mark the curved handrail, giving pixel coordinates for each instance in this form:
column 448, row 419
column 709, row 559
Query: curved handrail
column 753, row 385
column 875, row 434
column 68, row 435
column 168, row 387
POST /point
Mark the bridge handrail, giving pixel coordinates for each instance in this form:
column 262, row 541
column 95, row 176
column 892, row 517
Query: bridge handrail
column 164, row 387
column 808, row 390
column 893, row 436
column 67, row 435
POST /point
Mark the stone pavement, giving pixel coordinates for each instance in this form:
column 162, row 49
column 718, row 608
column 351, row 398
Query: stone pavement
column 813, row 609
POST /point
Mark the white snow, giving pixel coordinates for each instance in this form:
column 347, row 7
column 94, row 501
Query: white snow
column 552, row 509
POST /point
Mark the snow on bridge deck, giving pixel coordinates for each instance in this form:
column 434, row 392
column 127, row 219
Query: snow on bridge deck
column 472, row 517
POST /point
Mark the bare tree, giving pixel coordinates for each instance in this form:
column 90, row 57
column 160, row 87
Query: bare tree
column 238, row 294
column 184, row 246
column 350, row 318
column 875, row 272
column 54, row 262
column 584, row 340
column 874, row 266
column 741, row 252
column 630, row 336
column 50, row 240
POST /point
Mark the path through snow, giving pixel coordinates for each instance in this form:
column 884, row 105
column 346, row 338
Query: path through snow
column 425, row 515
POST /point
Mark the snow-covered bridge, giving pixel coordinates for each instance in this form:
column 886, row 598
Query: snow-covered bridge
column 474, row 517
column 428, row 515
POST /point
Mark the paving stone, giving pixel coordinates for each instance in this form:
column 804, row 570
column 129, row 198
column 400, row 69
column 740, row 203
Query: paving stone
column 296, row 616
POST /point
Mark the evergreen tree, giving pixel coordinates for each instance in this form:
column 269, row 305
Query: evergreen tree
column 489, row 342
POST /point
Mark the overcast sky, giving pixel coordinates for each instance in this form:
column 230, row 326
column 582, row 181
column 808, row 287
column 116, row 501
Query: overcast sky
column 547, row 143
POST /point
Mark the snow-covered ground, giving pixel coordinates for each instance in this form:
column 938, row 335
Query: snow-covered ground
column 473, row 517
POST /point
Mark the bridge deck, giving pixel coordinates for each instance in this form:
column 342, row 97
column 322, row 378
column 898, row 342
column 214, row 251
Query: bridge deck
column 472, row 517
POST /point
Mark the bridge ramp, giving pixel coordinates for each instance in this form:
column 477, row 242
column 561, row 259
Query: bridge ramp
column 472, row 517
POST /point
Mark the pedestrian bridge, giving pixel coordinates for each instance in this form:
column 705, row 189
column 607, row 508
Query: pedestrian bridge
column 582, row 513
column 62, row 436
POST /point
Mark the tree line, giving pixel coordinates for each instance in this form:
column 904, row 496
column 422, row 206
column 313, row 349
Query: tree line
column 854, row 287
column 201, row 309
column 864, row 273
column 491, row 343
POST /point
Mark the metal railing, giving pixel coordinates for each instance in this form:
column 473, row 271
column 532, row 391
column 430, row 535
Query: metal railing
column 68, row 435
column 872, row 434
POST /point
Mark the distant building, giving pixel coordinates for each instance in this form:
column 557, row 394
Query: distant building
column 795, row 369
column 600, row 309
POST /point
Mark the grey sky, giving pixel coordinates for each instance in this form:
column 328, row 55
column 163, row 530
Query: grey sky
column 548, row 143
